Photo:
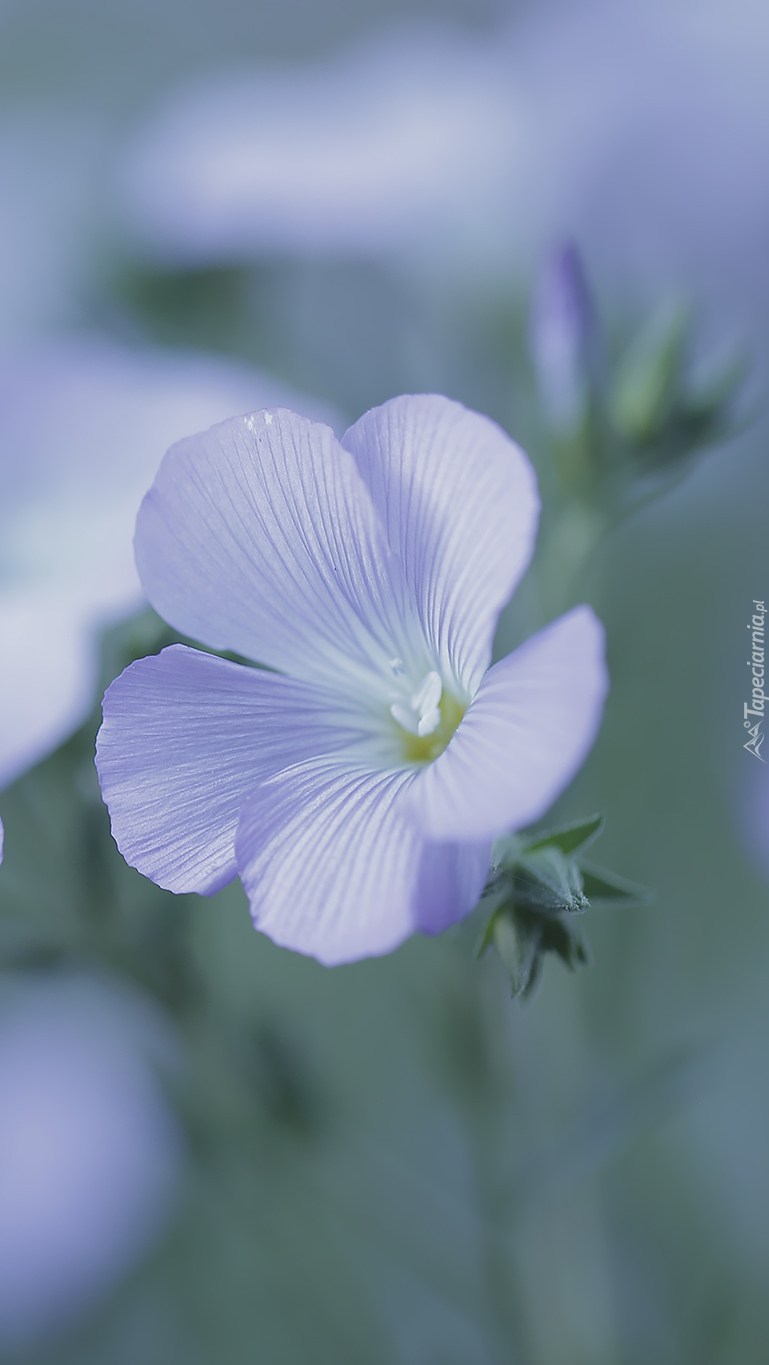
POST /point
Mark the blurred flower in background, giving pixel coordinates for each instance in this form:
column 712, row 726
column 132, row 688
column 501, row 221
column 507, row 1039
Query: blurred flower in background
column 645, row 133
column 49, row 161
column 84, row 424
column 91, row 1156
column 393, row 144
column 639, row 129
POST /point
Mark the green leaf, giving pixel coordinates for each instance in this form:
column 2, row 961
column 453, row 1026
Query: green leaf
column 568, row 838
column 607, row 888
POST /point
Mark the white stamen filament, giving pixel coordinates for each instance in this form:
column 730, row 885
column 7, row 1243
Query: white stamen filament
column 422, row 715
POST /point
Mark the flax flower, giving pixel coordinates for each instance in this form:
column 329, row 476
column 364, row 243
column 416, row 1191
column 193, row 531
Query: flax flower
column 357, row 789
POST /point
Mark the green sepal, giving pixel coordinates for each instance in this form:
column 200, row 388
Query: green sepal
column 537, row 886
column 518, row 943
column 569, row 838
column 604, row 888
column 548, row 882
column 506, row 853
column 560, row 935
column 658, row 409
column 522, row 938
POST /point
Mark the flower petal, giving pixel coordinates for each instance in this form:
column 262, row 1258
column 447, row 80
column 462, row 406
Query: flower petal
column 332, row 869
column 526, row 733
column 459, row 503
column 259, row 536
column 186, row 737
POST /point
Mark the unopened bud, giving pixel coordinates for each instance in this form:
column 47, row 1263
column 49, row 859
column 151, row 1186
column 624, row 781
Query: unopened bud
column 562, row 340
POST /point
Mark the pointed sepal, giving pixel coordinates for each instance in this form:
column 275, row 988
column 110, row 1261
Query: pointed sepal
column 537, row 887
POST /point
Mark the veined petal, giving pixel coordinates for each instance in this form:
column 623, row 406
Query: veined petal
column 459, row 504
column 260, row 536
column 186, row 737
column 523, row 738
column 332, row 869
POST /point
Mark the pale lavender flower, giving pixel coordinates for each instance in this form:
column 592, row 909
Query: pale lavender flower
column 90, row 1152
column 393, row 142
column 83, row 427
column 356, row 791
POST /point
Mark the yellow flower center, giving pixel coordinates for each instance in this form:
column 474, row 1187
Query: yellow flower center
column 424, row 749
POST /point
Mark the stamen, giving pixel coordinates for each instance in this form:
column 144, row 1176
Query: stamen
column 429, row 722
column 422, row 714
column 405, row 717
column 428, row 694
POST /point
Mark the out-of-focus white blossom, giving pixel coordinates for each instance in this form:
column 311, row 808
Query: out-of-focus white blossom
column 389, row 144
column 90, row 1153
column 641, row 128
column 83, row 427
column 645, row 134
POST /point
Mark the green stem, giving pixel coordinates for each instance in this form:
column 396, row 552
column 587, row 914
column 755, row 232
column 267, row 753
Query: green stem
column 477, row 1030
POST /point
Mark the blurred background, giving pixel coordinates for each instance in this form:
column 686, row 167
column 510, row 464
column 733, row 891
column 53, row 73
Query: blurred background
column 212, row 1150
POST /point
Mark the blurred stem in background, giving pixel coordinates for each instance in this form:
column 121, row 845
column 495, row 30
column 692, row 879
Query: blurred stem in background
column 619, row 426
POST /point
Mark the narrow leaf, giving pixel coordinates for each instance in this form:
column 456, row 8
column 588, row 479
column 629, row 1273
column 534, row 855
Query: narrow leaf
column 569, row 838
column 607, row 888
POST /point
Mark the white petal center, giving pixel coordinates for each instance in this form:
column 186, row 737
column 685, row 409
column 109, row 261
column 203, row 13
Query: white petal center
column 420, row 713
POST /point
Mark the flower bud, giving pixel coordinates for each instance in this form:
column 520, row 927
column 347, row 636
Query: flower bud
column 563, row 341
